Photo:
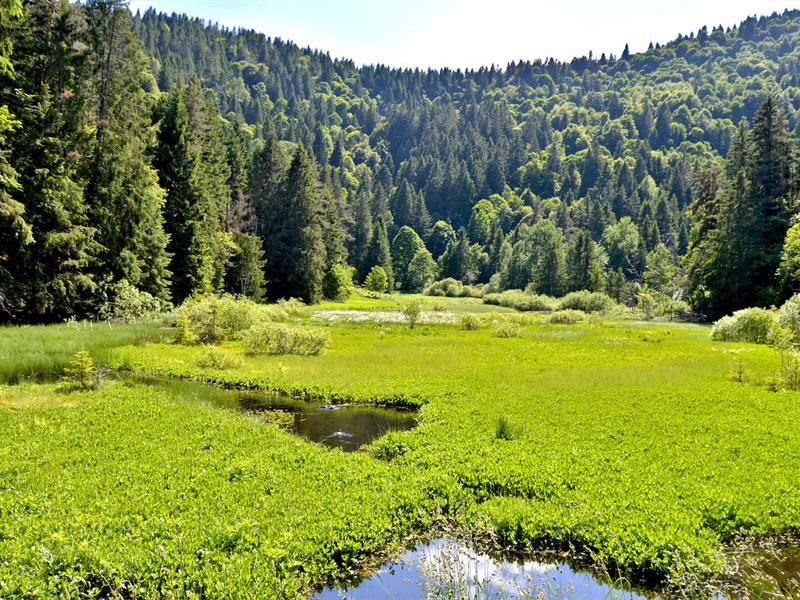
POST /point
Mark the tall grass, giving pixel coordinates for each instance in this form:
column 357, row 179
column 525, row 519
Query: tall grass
column 41, row 352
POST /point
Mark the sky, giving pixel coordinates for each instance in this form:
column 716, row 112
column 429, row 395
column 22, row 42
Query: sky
column 470, row 33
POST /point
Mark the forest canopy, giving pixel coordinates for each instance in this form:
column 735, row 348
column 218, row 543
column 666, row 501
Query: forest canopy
column 160, row 156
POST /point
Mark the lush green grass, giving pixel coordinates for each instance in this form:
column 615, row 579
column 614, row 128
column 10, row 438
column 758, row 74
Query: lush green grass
column 631, row 446
column 42, row 352
column 137, row 493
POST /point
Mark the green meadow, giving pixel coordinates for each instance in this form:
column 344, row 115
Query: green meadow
column 643, row 448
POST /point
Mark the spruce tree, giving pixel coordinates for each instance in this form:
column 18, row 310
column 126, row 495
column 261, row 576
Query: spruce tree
column 378, row 253
column 52, row 275
column 122, row 187
column 301, row 261
column 266, row 185
column 177, row 166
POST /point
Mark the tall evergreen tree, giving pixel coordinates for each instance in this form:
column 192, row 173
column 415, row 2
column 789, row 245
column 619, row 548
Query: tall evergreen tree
column 122, row 187
column 298, row 266
column 51, row 276
column 378, row 253
column 177, row 166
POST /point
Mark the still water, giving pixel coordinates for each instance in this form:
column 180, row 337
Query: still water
column 446, row 568
column 345, row 427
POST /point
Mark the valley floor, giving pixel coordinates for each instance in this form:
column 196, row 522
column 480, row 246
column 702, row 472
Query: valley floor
column 628, row 445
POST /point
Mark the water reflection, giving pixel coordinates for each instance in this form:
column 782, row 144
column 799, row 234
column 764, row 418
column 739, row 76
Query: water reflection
column 344, row 427
column 449, row 569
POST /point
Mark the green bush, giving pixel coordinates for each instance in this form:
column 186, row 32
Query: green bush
column 338, row 285
column 80, row 373
column 752, row 325
column 292, row 307
column 126, row 303
column 276, row 338
column 377, row 281
column 412, row 312
column 470, row 322
column 216, row 318
column 504, row 430
column 520, row 300
column 567, row 317
column 588, row 302
column 214, row 358
column 453, row 288
column 506, row 330
column 789, row 317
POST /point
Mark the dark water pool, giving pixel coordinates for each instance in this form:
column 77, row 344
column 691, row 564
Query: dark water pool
column 769, row 573
column 449, row 569
column 345, row 427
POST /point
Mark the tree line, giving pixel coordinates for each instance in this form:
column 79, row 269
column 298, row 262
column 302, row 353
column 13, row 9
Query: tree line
column 158, row 155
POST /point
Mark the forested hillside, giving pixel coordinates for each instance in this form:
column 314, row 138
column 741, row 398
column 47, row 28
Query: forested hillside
column 152, row 157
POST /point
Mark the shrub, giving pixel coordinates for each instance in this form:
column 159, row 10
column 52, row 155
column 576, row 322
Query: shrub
column 753, row 325
column 520, row 300
column 216, row 318
column 276, row 338
column 470, row 322
column 377, row 281
column 587, row 302
column 292, row 307
column 412, row 312
column 216, row 359
column 183, row 330
column 124, row 302
column 452, row 288
column 506, row 330
column 504, row 430
column 80, row 373
column 789, row 317
column 567, row 317
column 338, row 285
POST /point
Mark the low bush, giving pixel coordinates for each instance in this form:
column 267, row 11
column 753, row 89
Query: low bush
column 214, row 358
column 292, row 307
column 753, row 325
column 453, row 288
column 212, row 319
column 277, row 338
column 520, row 300
column 587, row 302
column 80, row 373
column 470, row 322
column 377, row 280
column 506, row 330
column 412, row 312
column 338, row 285
column 789, row 317
column 505, row 430
column 128, row 304
column 567, row 317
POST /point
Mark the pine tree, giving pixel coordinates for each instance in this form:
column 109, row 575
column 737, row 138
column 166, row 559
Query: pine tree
column 122, row 187
column 266, row 185
column 363, row 230
column 52, row 276
column 15, row 231
column 177, row 166
column 378, row 253
column 298, row 267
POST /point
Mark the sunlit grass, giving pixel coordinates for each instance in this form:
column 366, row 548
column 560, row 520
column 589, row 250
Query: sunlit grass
column 41, row 352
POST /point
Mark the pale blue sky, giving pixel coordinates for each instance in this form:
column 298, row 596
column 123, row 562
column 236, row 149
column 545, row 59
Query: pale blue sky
column 470, row 33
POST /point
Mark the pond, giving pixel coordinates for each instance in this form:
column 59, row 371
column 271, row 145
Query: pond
column 347, row 427
column 448, row 569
